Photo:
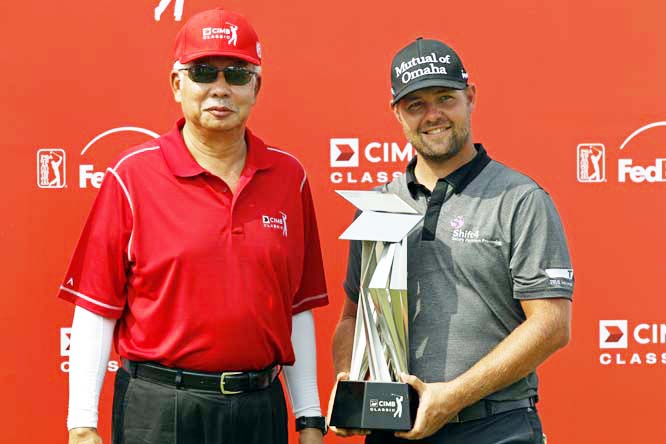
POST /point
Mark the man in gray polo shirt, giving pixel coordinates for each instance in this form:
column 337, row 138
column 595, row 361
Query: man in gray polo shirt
column 489, row 275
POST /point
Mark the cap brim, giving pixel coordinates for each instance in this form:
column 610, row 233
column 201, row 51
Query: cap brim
column 221, row 53
column 427, row 83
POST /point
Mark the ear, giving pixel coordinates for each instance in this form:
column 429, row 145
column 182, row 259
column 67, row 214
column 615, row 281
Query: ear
column 176, row 85
column 470, row 93
column 257, row 85
column 396, row 112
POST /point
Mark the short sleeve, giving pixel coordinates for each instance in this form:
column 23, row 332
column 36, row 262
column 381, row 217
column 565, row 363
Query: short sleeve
column 312, row 291
column 97, row 275
column 540, row 264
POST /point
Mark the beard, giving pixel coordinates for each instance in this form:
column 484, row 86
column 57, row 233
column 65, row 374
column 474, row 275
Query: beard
column 440, row 151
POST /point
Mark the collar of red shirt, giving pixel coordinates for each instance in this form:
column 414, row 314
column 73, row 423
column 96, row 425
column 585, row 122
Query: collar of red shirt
column 182, row 164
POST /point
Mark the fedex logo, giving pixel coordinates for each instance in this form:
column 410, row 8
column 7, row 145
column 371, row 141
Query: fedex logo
column 638, row 174
column 87, row 176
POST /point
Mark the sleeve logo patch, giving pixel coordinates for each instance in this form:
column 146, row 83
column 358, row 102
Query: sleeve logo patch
column 560, row 273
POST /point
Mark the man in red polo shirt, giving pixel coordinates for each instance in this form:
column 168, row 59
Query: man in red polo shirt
column 201, row 258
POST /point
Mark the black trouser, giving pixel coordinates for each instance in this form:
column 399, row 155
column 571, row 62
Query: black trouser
column 521, row 426
column 148, row 413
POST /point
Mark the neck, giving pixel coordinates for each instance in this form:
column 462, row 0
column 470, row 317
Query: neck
column 218, row 152
column 429, row 171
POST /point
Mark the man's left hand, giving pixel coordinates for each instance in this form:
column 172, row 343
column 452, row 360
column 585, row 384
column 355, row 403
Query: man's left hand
column 438, row 404
column 310, row 436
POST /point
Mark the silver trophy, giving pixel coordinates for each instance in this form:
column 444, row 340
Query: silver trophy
column 374, row 397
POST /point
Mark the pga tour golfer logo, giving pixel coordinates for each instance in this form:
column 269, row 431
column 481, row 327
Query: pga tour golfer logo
column 393, row 406
column 591, row 162
column 276, row 223
column 51, row 168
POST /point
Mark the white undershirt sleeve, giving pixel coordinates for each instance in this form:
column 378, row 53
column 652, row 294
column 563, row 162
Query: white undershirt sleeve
column 90, row 345
column 301, row 378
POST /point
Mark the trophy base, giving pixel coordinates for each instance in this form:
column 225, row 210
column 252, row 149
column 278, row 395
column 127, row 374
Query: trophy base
column 374, row 405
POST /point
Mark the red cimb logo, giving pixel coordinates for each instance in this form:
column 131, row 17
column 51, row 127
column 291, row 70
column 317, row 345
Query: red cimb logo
column 344, row 152
column 613, row 333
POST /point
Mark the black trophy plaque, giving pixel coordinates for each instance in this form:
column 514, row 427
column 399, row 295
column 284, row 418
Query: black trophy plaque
column 374, row 405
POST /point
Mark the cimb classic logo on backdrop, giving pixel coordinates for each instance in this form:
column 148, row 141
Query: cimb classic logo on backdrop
column 65, row 342
column 51, row 162
column 591, row 163
column 351, row 154
column 629, row 343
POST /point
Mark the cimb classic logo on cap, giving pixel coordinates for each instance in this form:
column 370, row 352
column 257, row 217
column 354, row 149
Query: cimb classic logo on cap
column 228, row 33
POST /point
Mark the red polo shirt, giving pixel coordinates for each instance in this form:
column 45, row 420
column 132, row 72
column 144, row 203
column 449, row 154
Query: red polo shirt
column 200, row 278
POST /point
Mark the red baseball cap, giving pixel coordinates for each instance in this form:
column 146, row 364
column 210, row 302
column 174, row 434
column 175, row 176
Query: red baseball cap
column 217, row 32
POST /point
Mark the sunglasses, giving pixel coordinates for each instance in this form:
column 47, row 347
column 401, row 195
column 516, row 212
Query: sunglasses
column 233, row 75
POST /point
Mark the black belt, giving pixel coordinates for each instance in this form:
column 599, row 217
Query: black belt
column 485, row 408
column 227, row 383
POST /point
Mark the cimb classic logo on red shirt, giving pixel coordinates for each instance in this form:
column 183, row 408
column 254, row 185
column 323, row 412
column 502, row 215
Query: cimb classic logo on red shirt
column 276, row 223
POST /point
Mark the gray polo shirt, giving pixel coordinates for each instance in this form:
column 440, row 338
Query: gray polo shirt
column 491, row 237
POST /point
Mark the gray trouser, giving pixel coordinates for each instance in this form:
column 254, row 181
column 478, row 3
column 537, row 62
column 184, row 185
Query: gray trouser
column 521, row 426
column 148, row 413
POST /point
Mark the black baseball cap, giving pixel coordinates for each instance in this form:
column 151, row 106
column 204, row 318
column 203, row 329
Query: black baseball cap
column 424, row 63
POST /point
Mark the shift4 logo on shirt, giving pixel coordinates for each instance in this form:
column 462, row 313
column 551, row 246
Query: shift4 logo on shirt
column 458, row 234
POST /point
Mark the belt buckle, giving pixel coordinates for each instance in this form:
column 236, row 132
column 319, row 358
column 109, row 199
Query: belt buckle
column 222, row 389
